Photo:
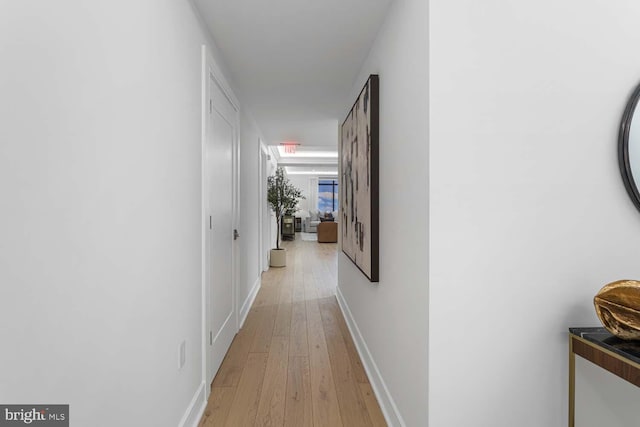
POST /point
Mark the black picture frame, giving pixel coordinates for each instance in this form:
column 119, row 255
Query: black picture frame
column 623, row 148
column 360, row 181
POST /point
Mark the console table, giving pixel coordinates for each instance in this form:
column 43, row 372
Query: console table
column 288, row 228
column 598, row 346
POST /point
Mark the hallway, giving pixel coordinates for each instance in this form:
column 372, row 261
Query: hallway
column 294, row 362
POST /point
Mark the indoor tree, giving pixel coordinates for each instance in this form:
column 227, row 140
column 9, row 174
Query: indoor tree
column 282, row 197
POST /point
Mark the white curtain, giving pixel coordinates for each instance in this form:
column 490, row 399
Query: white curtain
column 313, row 193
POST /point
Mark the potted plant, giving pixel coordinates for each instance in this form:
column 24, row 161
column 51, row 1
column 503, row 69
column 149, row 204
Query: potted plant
column 282, row 197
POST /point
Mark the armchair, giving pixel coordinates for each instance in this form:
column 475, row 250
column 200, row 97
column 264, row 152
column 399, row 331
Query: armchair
column 311, row 224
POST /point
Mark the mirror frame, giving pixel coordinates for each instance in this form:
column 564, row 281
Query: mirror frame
column 623, row 148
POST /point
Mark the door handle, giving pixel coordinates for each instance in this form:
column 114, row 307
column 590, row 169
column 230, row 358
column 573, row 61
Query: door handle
column 235, row 234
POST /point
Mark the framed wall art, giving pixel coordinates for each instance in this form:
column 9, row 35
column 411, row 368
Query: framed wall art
column 359, row 160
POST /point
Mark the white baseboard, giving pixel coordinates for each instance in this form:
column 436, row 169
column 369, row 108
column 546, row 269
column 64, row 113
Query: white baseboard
column 246, row 306
column 194, row 412
column 388, row 406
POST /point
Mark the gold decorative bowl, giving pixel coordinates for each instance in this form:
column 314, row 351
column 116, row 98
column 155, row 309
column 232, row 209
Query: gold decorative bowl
column 618, row 307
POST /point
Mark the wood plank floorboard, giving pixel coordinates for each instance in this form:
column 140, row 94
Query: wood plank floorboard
column 217, row 410
column 294, row 362
column 353, row 408
column 236, row 358
column 245, row 402
column 298, row 343
column 326, row 411
column 356, row 364
column 298, row 409
column 272, row 398
column 262, row 338
column 282, row 325
column 375, row 413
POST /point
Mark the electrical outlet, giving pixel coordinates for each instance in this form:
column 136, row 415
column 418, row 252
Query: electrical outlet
column 182, row 354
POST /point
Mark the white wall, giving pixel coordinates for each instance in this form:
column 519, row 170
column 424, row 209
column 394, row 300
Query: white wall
column 250, row 214
column 302, row 182
column 392, row 314
column 528, row 213
column 100, row 177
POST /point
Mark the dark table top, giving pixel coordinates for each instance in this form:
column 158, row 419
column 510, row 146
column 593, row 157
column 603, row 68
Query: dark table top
column 602, row 338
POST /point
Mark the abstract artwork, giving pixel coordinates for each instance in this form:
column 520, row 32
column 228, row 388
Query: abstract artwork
column 359, row 187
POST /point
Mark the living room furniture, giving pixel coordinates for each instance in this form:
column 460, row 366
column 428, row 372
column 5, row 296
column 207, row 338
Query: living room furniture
column 298, row 226
column 598, row 346
column 328, row 232
column 288, row 228
column 311, row 224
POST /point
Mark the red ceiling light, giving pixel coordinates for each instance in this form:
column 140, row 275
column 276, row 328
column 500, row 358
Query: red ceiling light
column 289, row 147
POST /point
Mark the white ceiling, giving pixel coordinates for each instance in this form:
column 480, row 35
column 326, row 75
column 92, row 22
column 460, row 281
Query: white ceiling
column 294, row 62
column 308, row 160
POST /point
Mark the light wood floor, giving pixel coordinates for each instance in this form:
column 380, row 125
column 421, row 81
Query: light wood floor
column 294, row 363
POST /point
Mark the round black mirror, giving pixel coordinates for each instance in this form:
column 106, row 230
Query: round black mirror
column 629, row 147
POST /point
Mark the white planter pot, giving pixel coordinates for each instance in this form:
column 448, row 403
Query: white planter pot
column 278, row 258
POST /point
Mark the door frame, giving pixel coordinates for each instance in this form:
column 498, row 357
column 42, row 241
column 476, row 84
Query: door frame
column 264, row 227
column 211, row 70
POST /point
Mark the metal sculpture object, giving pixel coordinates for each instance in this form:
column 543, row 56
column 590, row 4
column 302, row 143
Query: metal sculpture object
column 618, row 307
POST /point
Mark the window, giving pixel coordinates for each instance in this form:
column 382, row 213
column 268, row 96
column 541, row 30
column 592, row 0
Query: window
column 327, row 195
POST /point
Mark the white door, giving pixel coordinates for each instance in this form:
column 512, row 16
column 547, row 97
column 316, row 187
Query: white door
column 220, row 133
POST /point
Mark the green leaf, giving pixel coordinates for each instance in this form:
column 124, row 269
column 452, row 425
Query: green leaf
column 282, row 196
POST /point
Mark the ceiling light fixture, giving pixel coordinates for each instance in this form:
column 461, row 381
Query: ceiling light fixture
column 308, row 172
column 289, row 146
